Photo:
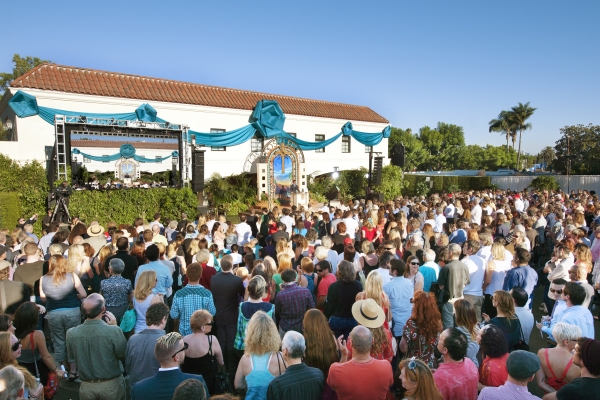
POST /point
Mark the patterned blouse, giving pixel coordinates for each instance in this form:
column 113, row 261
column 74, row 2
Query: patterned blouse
column 116, row 291
column 418, row 346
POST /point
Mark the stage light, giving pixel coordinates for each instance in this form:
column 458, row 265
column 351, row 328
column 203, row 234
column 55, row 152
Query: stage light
column 367, row 176
column 83, row 119
column 335, row 175
column 167, row 125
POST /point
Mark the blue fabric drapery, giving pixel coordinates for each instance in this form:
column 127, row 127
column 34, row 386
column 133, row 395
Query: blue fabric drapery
column 267, row 120
column 125, row 151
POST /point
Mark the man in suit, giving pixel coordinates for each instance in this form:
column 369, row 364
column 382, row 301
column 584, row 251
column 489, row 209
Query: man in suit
column 170, row 353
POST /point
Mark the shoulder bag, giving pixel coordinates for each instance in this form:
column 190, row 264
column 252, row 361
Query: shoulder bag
column 51, row 386
column 222, row 384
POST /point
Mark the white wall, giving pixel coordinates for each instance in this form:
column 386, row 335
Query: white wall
column 583, row 182
column 34, row 133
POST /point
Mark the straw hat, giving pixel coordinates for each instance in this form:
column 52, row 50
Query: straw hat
column 95, row 230
column 368, row 313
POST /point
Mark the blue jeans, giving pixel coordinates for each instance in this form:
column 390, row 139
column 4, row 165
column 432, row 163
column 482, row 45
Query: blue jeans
column 342, row 326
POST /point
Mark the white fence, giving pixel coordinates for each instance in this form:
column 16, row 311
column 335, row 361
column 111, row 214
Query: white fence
column 574, row 182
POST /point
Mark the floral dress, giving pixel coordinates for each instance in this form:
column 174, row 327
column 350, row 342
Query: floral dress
column 418, row 346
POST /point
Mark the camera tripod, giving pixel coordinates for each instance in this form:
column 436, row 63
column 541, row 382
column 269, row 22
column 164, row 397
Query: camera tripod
column 60, row 210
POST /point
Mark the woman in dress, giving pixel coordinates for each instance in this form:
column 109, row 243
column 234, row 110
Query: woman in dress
column 284, row 262
column 339, row 237
column 506, row 318
column 412, row 273
column 230, row 236
column 192, row 249
column 369, row 231
column 326, row 226
column 62, row 291
column 368, row 314
column 422, row 330
column 466, row 322
column 116, row 290
column 143, row 298
column 33, row 342
column 202, row 347
column 494, row 277
column 10, row 350
column 218, row 236
column 557, row 363
column 494, row 351
column 374, row 290
column 341, row 295
column 262, row 361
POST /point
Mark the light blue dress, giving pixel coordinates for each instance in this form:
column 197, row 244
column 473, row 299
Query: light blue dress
column 258, row 380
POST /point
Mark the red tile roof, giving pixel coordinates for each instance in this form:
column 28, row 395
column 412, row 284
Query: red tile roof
column 102, row 83
column 116, row 144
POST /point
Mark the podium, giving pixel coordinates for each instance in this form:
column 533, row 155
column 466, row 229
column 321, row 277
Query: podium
column 300, row 199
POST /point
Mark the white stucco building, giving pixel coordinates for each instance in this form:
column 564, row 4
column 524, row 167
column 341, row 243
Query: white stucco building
column 202, row 108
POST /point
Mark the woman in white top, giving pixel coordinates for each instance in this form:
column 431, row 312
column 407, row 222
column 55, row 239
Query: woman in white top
column 143, row 298
column 494, row 277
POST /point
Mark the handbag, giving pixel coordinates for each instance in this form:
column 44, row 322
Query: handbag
column 128, row 321
column 222, row 384
column 51, row 386
column 521, row 344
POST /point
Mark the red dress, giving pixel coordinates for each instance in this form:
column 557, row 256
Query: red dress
column 553, row 380
column 493, row 371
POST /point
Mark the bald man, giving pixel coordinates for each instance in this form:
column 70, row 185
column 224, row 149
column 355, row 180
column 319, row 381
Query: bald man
column 94, row 349
column 343, row 376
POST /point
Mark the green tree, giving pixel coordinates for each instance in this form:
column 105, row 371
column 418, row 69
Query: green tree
column 391, row 182
column 547, row 155
column 444, row 144
column 544, row 182
column 520, row 114
column 580, row 144
column 415, row 155
column 505, row 125
column 22, row 65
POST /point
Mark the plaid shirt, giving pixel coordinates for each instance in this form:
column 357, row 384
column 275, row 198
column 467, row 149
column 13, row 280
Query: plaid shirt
column 290, row 305
column 188, row 300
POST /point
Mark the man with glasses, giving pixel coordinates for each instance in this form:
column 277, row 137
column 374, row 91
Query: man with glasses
column 170, row 353
column 574, row 313
column 94, row 349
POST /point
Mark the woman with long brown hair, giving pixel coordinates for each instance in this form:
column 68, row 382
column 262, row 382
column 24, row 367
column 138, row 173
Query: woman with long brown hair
column 417, row 380
column 422, row 330
column 78, row 230
column 466, row 322
column 506, row 318
column 322, row 349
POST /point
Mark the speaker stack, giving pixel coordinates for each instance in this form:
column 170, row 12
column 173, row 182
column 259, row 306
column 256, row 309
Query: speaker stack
column 198, row 171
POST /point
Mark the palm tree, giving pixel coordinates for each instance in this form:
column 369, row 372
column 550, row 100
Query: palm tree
column 521, row 114
column 505, row 125
column 547, row 155
column 219, row 190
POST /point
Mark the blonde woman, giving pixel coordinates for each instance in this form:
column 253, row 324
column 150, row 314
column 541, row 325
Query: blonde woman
column 262, row 361
column 374, row 290
column 79, row 263
column 192, row 249
column 8, row 357
column 230, row 236
column 285, row 262
column 494, row 277
column 62, row 291
column 282, row 247
column 143, row 298
column 99, row 266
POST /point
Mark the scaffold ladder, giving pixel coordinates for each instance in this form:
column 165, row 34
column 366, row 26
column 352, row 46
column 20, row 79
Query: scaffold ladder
column 61, row 148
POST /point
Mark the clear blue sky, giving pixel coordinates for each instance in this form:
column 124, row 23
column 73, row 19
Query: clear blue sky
column 414, row 62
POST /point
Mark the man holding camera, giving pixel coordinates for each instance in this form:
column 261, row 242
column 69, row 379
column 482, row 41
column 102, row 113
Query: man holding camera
column 62, row 194
column 94, row 349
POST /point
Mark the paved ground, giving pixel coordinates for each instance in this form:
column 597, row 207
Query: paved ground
column 69, row 390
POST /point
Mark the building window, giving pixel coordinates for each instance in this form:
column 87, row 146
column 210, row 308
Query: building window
column 105, row 155
column 217, row 148
column 368, row 149
column 86, row 160
column 346, row 144
column 320, row 138
column 157, row 157
column 291, row 134
column 257, row 143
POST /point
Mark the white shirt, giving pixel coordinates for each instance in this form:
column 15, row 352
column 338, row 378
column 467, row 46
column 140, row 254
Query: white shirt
column 486, row 253
column 210, row 224
column 385, row 274
column 243, row 233
column 476, row 214
column 476, row 267
column 519, row 205
column 237, row 258
column 526, row 319
column 440, row 220
column 351, row 227
column 449, row 211
column 288, row 222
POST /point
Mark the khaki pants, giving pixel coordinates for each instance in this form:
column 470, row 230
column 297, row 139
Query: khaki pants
column 477, row 302
column 108, row 390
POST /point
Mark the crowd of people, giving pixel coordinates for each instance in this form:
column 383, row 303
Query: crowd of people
column 417, row 298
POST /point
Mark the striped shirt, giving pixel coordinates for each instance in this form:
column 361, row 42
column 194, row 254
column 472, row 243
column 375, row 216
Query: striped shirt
column 188, row 300
column 508, row 391
column 298, row 382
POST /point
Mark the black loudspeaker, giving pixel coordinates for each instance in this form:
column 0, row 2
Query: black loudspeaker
column 198, row 171
column 377, row 168
column 397, row 155
column 74, row 170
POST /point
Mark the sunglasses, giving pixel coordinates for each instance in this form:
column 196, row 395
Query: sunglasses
column 319, row 270
column 414, row 263
column 185, row 347
column 412, row 364
column 556, row 291
column 15, row 346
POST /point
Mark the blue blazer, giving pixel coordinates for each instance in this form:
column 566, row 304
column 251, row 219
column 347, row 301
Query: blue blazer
column 162, row 385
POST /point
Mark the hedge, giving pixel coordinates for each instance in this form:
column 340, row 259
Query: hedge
column 10, row 209
column 443, row 183
column 125, row 205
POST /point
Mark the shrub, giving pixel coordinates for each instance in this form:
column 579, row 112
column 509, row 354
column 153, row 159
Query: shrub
column 10, row 209
column 124, row 206
column 544, row 182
